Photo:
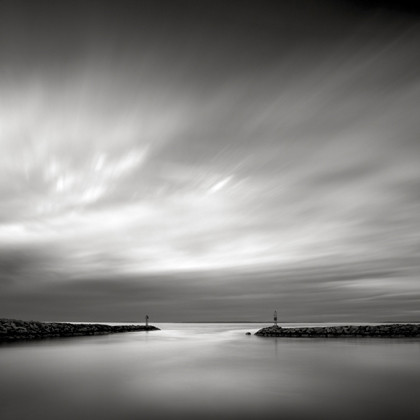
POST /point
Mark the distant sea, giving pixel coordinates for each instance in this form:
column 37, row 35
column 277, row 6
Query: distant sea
column 209, row 371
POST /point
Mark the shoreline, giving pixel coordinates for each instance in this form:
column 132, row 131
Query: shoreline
column 17, row 330
column 382, row 330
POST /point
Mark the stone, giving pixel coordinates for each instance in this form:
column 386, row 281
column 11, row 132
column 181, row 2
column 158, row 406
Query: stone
column 361, row 331
column 12, row 330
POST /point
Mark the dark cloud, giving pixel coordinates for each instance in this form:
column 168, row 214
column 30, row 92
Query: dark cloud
column 316, row 293
column 404, row 6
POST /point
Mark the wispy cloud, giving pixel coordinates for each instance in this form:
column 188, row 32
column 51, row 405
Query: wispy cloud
column 172, row 153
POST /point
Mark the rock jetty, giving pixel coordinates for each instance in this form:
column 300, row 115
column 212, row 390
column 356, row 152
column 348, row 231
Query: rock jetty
column 13, row 330
column 387, row 331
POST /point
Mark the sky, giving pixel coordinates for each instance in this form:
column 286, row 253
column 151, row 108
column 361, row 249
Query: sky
column 210, row 160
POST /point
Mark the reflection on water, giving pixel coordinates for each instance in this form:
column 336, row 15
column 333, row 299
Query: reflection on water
column 200, row 371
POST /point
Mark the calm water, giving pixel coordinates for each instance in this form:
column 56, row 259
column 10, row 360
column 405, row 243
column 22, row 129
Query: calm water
column 209, row 371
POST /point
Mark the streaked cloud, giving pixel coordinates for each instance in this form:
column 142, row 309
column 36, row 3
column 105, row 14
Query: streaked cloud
column 204, row 150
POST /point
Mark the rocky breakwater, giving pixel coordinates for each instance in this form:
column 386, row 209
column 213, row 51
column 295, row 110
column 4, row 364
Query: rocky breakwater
column 387, row 331
column 13, row 330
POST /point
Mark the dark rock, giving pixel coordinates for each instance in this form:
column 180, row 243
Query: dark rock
column 12, row 330
column 388, row 331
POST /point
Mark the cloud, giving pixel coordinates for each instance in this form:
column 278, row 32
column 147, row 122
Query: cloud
column 355, row 292
column 147, row 147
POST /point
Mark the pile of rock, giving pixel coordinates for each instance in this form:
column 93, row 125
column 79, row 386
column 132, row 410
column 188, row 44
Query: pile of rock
column 388, row 330
column 12, row 329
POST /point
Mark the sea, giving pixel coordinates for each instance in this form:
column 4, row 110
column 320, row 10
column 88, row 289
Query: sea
column 210, row 371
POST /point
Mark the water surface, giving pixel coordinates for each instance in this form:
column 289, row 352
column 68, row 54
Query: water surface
column 214, row 371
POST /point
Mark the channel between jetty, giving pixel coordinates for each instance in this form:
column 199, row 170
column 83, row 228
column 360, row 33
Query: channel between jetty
column 15, row 330
column 385, row 330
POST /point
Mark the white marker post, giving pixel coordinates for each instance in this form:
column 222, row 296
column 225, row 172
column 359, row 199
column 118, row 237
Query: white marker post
column 147, row 320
